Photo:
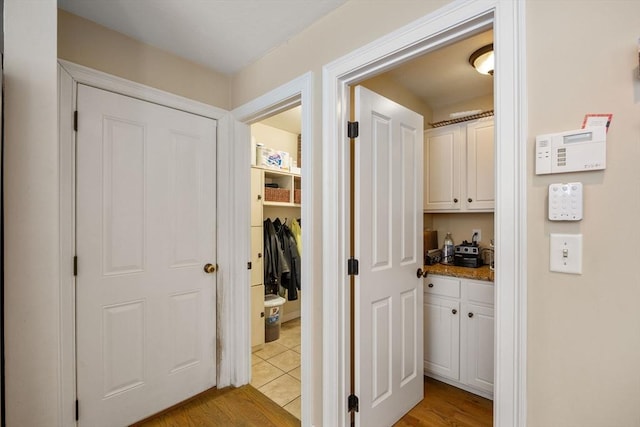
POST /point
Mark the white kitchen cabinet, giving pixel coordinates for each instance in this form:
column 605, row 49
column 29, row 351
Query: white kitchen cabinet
column 459, row 167
column 442, row 168
column 257, row 315
column 442, row 356
column 477, row 339
column 480, row 169
column 459, row 333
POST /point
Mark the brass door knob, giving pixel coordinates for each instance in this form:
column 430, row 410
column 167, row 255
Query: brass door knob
column 209, row 268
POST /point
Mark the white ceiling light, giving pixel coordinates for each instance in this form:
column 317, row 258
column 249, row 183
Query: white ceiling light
column 482, row 60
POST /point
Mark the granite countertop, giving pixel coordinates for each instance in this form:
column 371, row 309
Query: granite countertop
column 480, row 273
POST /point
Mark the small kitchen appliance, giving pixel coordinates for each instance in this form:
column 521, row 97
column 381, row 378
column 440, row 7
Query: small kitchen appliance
column 467, row 255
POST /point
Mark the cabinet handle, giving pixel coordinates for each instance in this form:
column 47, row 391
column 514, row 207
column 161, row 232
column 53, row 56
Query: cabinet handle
column 454, row 311
column 259, row 255
column 470, row 315
column 470, row 200
column 259, row 196
column 455, row 200
column 430, row 285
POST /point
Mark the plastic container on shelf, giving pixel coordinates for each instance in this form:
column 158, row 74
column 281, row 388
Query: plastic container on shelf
column 273, row 306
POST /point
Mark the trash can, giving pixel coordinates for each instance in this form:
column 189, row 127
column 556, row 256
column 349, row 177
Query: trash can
column 272, row 307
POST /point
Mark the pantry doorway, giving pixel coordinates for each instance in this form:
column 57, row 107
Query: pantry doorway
column 446, row 25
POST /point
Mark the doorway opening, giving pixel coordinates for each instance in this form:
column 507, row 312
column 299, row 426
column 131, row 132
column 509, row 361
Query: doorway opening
column 439, row 29
column 296, row 93
column 276, row 256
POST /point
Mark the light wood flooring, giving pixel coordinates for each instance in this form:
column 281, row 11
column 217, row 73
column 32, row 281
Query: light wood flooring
column 444, row 406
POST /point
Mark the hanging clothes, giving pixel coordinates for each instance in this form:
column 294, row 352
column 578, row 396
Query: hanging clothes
column 275, row 264
column 297, row 234
column 290, row 283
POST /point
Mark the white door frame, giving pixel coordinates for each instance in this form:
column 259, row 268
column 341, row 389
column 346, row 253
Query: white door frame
column 291, row 94
column 449, row 23
column 69, row 76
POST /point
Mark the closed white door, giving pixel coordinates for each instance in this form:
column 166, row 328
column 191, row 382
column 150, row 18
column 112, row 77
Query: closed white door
column 145, row 229
column 388, row 244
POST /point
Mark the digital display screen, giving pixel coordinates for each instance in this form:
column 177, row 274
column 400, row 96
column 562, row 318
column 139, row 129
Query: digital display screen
column 578, row 137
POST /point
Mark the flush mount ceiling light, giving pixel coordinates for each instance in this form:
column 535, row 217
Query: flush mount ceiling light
column 482, row 59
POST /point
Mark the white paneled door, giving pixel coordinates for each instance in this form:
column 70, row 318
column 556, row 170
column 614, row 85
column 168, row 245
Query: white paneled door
column 388, row 244
column 145, row 218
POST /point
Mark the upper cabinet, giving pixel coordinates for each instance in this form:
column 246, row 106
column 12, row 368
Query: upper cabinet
column 459, row 167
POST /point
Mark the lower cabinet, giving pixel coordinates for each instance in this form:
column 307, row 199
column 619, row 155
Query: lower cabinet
column 257, row 315
column 459, row 333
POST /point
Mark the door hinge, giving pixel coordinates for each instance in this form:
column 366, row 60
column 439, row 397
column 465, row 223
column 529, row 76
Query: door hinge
column 353, row 403
column 75, row 120
column 75, row 265
column 353, row 267
column 352, row 129
column 77, row 411
column 249, row 265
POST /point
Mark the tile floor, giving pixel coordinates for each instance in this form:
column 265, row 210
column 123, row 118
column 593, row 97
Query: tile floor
column 275, row 368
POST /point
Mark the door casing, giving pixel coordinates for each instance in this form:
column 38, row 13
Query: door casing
column 297, row 91
column 69, row 76
column 454, row 21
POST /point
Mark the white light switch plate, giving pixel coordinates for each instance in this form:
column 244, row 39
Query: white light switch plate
column 565, row 255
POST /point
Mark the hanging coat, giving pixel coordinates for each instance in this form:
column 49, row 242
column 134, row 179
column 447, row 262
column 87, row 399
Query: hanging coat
column 275, row 264
column 291, row 280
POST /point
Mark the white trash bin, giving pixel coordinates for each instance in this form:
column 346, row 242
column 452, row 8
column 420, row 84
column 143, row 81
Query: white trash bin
column 273, row 306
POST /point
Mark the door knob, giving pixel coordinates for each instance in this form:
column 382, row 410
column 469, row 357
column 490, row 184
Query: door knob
column 421, row 273
column 209, row 268
column 470, row 315
column 454, row 311
column 470, row 200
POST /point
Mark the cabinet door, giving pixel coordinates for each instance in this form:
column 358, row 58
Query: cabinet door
column 257, row 190
column 442, row 337
column 442, row 158
column 257, row 247
column 257, row 315
column 477, row 342
column 480, row 166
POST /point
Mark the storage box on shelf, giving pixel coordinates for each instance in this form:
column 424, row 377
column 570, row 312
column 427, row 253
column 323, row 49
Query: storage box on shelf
column 459, row 167
column 458, row 333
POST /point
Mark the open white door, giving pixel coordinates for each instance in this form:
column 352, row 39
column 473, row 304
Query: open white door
column 145, row 229
column 388, row 244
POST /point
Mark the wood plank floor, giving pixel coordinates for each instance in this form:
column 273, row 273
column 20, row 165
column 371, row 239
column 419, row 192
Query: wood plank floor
column 243, row 406
column 444, row 405
column 448, row 406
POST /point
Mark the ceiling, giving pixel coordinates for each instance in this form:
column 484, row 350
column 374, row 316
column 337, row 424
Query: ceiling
column 445, row 77
column 225, row 35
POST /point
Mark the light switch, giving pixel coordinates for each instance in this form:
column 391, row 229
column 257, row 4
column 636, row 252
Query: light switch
column 566, row 253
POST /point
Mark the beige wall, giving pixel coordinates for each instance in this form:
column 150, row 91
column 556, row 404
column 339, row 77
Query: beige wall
column 584, row 331
column 86, row 43
column 460, row 226
column 31, row 241
column 583, row 339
